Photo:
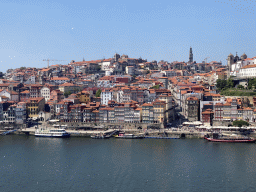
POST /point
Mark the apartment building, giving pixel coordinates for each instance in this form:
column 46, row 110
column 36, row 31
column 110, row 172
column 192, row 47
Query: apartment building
column 21, row 113
column 34, row 106
column 106, row 95
column 147, row 113
column 159, row 111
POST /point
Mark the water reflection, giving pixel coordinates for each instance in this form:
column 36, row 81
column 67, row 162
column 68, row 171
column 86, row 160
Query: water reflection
column 79, row 164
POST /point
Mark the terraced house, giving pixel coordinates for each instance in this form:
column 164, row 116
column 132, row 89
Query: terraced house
column 147, row 113
column 159, row 111
column 34, row 106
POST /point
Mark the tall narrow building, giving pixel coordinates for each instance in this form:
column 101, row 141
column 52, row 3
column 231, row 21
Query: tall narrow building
column 190, row 55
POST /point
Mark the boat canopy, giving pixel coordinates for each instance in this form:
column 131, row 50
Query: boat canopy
column 193, row 123
column 54, row 120
column 224, row 127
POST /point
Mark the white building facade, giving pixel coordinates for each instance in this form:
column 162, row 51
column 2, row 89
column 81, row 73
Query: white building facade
column 45, row 92
column 105, row 96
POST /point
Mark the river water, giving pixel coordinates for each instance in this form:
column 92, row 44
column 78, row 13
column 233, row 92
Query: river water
column 28, row 163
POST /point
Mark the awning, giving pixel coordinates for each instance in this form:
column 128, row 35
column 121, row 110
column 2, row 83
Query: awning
column 54, row 120
column 193, row 123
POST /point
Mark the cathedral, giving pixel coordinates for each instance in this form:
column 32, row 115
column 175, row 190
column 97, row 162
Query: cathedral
column 235, row 63
column 231, row 59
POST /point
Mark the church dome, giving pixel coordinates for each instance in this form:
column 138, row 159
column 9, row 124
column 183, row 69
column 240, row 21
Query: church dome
column 231, row 55
column 244, row 56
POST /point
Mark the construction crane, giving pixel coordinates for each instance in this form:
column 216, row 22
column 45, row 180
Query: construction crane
column 206, row 59
column 48, row 60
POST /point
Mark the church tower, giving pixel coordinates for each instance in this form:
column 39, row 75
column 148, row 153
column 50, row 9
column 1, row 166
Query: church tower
column 190, row 55
column 244, row 56
column 116, row 57
column 231, row 60
column 236, row 58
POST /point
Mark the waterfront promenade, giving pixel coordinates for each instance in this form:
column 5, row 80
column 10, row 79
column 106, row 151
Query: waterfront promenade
column 183, row 132
column 148, row 132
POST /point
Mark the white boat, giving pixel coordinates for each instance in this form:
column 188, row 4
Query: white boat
column 129, row 136
column 42, row 132
column 100, row 136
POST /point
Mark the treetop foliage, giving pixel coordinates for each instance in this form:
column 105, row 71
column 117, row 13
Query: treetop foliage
column 98, row 92
column 240, row 123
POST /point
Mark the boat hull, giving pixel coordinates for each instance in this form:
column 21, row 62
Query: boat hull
column 100, row 137
column 129, row 137
column 231, row 140
column 56, row 136
column 162, row 137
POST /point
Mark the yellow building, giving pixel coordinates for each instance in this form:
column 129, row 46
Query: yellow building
column 169, row 109
column 34, row 106
column 159, row 111
column 84, row 97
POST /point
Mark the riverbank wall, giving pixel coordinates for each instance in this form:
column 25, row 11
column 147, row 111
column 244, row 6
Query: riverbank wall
column 149, row 133
column 140, row 129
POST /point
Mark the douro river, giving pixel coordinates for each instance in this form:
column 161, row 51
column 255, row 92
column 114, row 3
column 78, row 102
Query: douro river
column 28, row 163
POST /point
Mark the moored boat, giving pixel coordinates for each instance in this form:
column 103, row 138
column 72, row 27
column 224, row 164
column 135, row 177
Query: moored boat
column 51, row 132
column 129, row 136
column 100, row 136
column 229, row 139
column 149, row 137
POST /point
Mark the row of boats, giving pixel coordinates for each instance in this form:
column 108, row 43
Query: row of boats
column 61, row 132
column 233, row 138
column 216, row 137
column 122, row 136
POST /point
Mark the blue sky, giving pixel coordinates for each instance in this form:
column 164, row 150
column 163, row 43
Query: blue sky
column 155, row 30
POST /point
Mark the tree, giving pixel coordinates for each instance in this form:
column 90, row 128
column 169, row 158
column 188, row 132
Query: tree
column 251, row 83
column 67, row 93
column 77, row 89
column 98, row 92
column 240, row 87
column 1, row 75
column 240, row 123
column 221, row 84
column 155, row 87
column 230, row 83
column 98, row 68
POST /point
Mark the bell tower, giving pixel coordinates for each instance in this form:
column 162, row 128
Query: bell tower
column 190, row 55
column 231, row 60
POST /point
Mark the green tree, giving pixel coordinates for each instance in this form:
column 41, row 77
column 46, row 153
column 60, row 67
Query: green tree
column 98, row 92
column 251, row 83
column 67, row 93
column 240, row 123
column 155, row 87
column 98, row 68
column 240, row 87
column 230, row 83
column 1, row 75
column 77, row 89
column 221, row 84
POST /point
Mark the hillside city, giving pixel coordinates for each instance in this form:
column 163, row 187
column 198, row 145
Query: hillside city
column 131, row 91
